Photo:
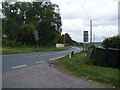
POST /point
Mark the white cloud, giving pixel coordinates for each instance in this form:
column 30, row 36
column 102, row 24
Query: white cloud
column 76, row 23
column 104, row 14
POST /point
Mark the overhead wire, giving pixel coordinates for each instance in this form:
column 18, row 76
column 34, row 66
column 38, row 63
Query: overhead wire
column 84, row 27
column 84, row 10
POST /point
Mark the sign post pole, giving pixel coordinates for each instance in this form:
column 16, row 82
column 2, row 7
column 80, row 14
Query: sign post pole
column 36, row 37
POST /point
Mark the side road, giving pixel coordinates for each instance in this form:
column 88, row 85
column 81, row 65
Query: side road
column 43, row 76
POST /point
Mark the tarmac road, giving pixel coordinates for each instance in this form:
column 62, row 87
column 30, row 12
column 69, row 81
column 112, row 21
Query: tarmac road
column 14, row 61
column 43, row 76
column 33, row 71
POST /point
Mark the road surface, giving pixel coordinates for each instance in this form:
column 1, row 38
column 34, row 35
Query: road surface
column 10, row 62
column 33, row 71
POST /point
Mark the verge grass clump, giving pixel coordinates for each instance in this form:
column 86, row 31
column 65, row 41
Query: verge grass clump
column 77, row 66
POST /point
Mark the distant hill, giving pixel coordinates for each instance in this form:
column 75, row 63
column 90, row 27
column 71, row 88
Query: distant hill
column 95, row 43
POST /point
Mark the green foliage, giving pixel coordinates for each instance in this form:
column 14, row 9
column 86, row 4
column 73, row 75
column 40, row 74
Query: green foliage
column 10, row 43
column 68, row 39
column 21, row 19
column 27, row 34
column 74, row 43
column 77, row 66
column 60, row 39
column 112, row 42
column 81, row 44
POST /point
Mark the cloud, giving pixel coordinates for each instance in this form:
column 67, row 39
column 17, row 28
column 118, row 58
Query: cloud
column 104, row 14
column 75, row 23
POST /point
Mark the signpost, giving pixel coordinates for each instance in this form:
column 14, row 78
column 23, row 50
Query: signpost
column 85, row 36
column 36, row 36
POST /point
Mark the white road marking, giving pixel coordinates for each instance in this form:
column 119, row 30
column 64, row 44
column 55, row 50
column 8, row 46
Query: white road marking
column 60, row 57
column 18, row 66
column 56, row 58
column 39, row 62
column 52, row 59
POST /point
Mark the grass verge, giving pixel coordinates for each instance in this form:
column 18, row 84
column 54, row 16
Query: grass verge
column 16, row 50
column 77, row 66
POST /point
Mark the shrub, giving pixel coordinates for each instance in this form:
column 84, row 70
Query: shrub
column 10, row 43
column 112, row 42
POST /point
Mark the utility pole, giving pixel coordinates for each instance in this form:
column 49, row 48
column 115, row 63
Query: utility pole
column 91, row 32
column 94, row 39
column 119, row 28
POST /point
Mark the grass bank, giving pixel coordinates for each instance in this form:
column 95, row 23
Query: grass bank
column 77, row 66
column 16, row 50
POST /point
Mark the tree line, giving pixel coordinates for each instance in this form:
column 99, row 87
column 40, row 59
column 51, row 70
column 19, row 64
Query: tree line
column 20, row 21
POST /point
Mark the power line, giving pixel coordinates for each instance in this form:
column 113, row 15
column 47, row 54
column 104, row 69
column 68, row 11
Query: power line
column 84, row 10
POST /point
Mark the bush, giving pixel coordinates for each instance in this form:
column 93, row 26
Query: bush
column 7, row 43
column 10, row 43
column 91, row 46
column 112, row 42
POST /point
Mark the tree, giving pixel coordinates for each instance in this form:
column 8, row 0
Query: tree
column 22, row 19
column 112, row 42
column 12, row 20
column 27, row 34
column 74, row 43
column 81, row 44
column 60, row 39
column 50, row 25
column 68, row 39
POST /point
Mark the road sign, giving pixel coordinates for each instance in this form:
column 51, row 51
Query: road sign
column 36, row 35
column 85, row 37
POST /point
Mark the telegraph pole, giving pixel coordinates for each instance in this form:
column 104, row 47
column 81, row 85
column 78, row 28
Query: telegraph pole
column 94, row 39
column 91, row 32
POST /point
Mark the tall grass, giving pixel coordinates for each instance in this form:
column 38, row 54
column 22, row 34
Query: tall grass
column 77, row 66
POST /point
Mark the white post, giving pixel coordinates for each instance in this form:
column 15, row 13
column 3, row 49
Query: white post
column 69, row 55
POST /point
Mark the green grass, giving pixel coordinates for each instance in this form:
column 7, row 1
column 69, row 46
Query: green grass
column 16, row 50
column 77, row 66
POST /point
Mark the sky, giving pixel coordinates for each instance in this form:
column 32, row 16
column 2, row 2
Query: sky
column 76, row 16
